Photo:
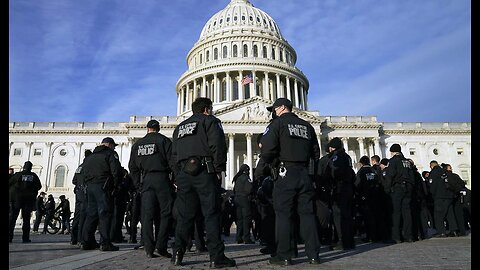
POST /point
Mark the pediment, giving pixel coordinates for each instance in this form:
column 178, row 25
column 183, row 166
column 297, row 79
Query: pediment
column 255, row 109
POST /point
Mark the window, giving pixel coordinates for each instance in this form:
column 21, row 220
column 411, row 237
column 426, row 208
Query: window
column 224, row 52
column 235, row 18
column 258, row 19
column 281, row 55
column 464, row 175
column 37, row 152
column 264, row 51
column 235, row 47
column 221, row 20
column 60, row 176
column 201, row 58
column 228, row 19
column 208, row 56
column 251, row 18
column 223, row 93
column 288, row 57
column 245, row 50
column 17, row 151
column 273, row 52
column 255, row 51
column 214, row 23
column 412, row 151
column 235, row 90
column 243, row 18
column 247, row 91
column 435, row 152
column 215, row 54
column 63, row 152
column 459, row 151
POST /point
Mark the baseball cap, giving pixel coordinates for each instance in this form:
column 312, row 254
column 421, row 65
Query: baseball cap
column 395, row 148
column 109, row 140
column 153, row 124
column 279, row 102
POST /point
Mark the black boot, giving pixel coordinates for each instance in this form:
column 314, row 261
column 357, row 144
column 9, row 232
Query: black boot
column 177, row 258
column 223, row 262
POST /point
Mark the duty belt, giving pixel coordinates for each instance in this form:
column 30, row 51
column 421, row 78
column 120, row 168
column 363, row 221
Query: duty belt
column 295, row 163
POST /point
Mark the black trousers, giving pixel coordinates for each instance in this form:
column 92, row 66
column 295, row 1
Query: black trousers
column 401, row 201
column 99, row 211
column 459, row 215
column 38, row 220
column 342, row 209
column 268, row 222
column 136, row 213
column 156, row 189
column 295, row 189
column 78, row 215
column 26, row 208
column 443, row 208
column 119, row 209
column 207, row 188
column 244, row 217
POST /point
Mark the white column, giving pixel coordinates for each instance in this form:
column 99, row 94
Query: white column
column 216, row 92
column 79, row 151
column 229, row 87
column 240, row 86
column 289, row 95
column 29, row 146
column 266, row 93
column 377, row 151
column 249, row 153
column 306, row 99
column 178, row 103
column 279, row 92
column 345, row 144
column 423, row 154
column 295, row 89
column 319, row 139
column 204, row 87
column 253, row 90
column 195, row 89
column 370, row 149
column 187, row 92
column 362, row 147
column 48, row 173
column 302, row 96
column 231, row 151
column 451, row 154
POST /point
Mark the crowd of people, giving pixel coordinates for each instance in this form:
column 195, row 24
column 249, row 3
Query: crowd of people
column 174, row 190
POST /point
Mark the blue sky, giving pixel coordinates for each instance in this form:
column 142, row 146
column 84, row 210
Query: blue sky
column 91, row 60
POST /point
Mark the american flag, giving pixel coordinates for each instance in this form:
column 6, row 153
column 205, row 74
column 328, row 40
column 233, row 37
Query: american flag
column 247, row 79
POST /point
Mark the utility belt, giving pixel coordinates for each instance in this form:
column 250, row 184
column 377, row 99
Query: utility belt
column 194, row 165
column 294, row 163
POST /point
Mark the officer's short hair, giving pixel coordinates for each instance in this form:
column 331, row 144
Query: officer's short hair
column 376, row 158
column 364, row 160
column 199, row 105
column 384, row 161
column 88, row 152
column 433, row 162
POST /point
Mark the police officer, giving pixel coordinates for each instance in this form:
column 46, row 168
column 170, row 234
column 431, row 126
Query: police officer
column 294, row 142
column 27, row 184
column 119, row 208
column 243, row 191
column 65, row 213
column 149, row 162
column 339, row 169
column 400, row 175
column 39, row 210
column 80, row 202
column 199, row 154
column 103, row 173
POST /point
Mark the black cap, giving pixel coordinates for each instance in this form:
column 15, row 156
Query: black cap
column 395, row 148
column 109, row 140
column 335, row 143
column 153, row 124
column 279, row 102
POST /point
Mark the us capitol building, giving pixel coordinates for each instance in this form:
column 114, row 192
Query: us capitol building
column 238, row 41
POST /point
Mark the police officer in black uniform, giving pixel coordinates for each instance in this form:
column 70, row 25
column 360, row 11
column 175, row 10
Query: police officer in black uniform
column 243, row 192
column 39, row 210
column 149, row 161
column 339, row 170
column 80, row 205
column 103, row 173
column 199, row 154
column 400, row 175
column 294, row 142
column 26, row 184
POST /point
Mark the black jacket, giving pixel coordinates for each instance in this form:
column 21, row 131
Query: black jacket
column 199, row 136
column 243, row 185
column 40, row 206
column 399, row 171
column 367, row 183
column 101, row 165
column 289, row 138
column 151, row 153
column 26, row 185
column 437, row 184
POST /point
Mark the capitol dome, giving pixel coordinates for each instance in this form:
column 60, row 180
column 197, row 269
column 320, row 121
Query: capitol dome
column 241, row 54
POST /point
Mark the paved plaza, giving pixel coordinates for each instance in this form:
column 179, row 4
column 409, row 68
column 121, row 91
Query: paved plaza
column 55, row 252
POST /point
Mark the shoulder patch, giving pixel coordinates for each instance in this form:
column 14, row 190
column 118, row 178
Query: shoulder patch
column 79, row 170
column 115, row 155
column 334, row 158
column 266, row 130
column 220, row 125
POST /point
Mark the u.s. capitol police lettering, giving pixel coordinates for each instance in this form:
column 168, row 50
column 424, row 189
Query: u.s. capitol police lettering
column 146, row 149
column 187, row 129
column 298, row 131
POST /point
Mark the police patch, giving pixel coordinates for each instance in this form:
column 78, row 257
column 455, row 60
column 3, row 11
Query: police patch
column 187, row 129
column 334, row 158
column 298, row 131
column 79, row 170
column 146, row 149
column 115, row 155
column 27, row 178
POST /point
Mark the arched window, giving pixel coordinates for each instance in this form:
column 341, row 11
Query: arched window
column 201, row 58
column 60, row 176
column 215, row 54
column 264, row 51
column 224, row 52
column 273, row 52
column 255, row 51
column 281, row 55
column 224, row 91
column 208, row 56
column 245, row 50
column 235, row 90
column 247, row 91
column 235, row 50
